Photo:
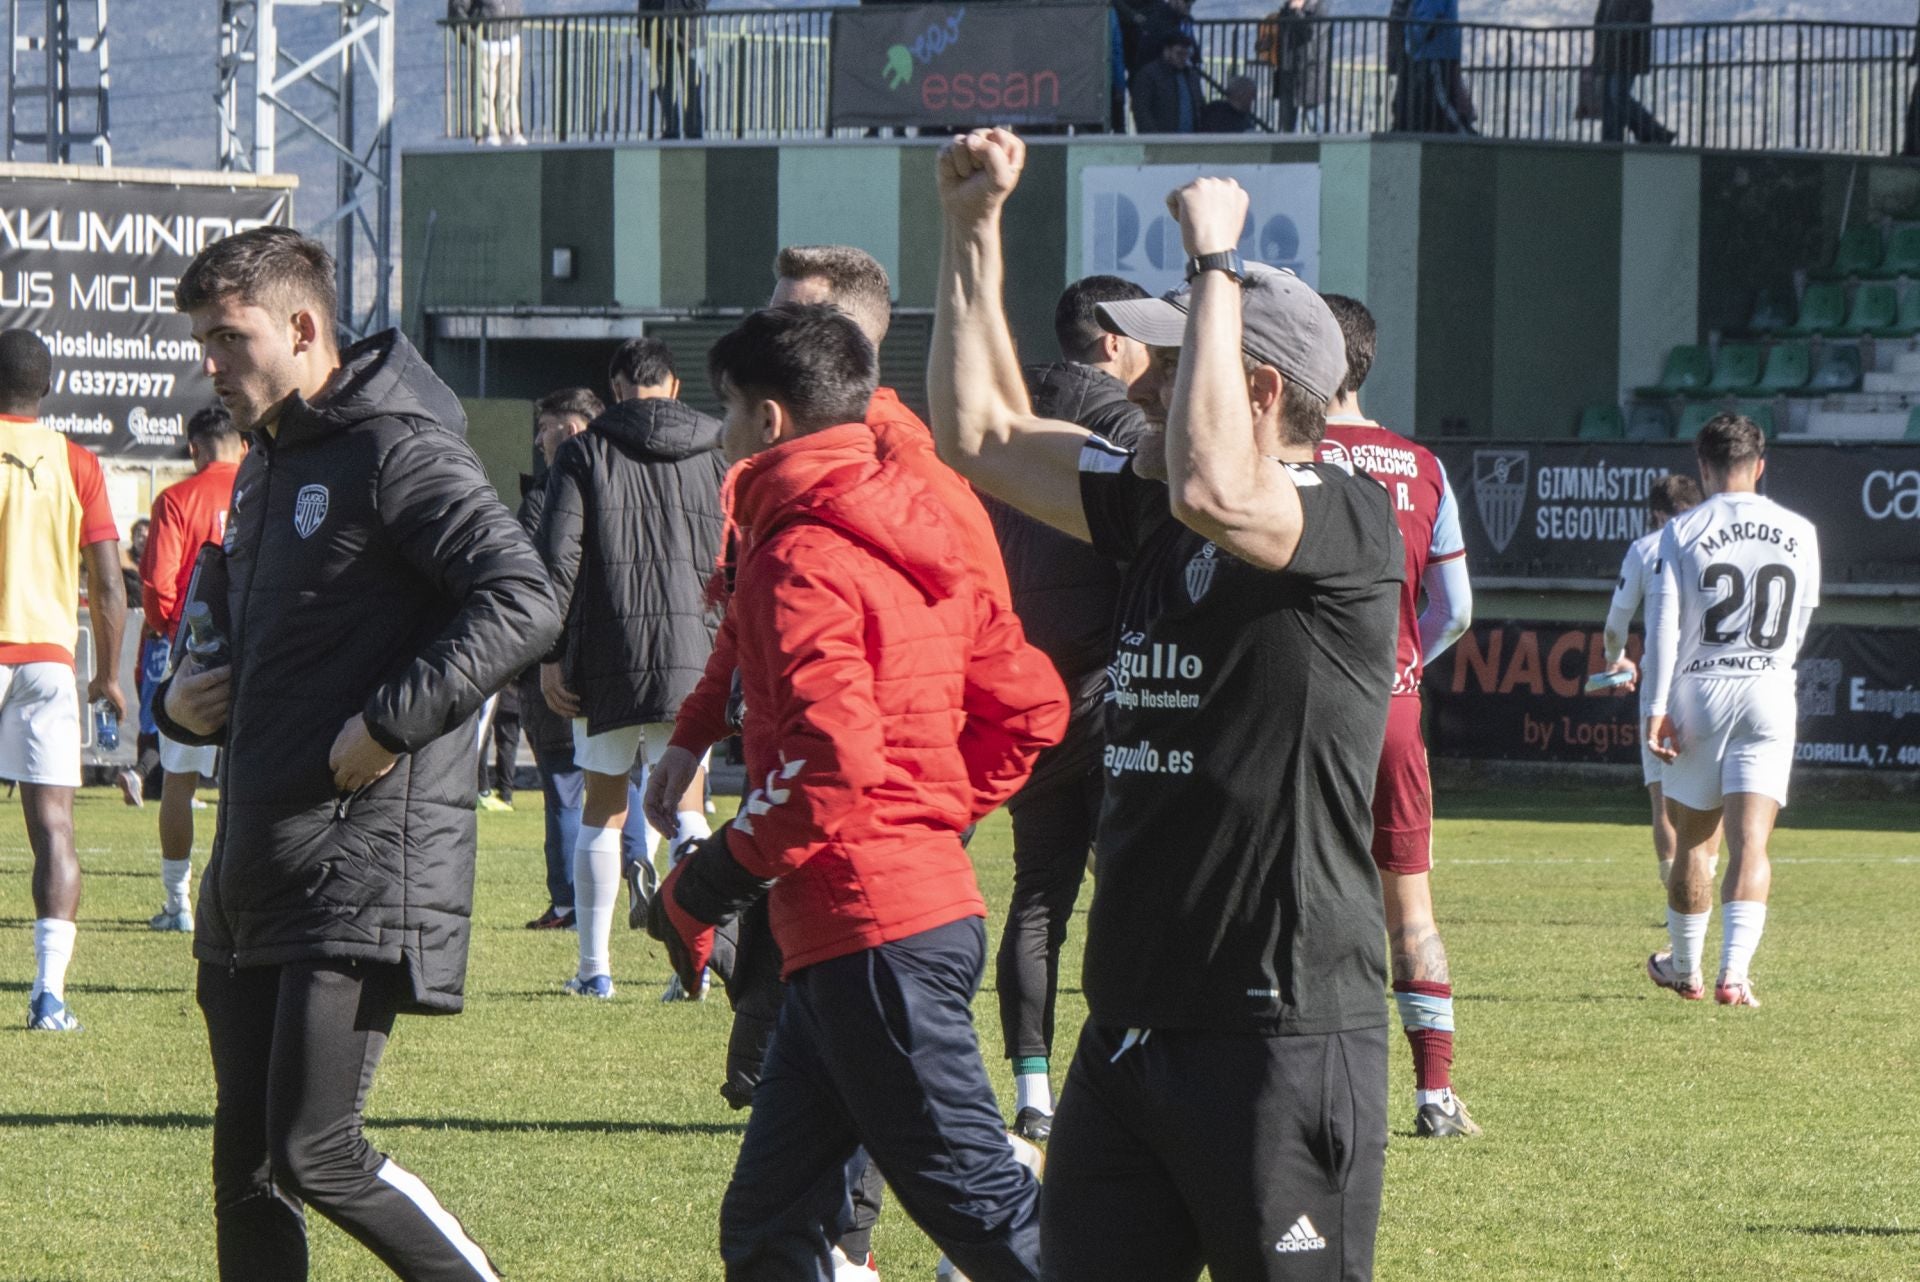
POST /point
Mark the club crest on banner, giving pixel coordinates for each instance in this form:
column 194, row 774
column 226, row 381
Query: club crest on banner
column 1200, row 572
column 1500, row 493
column 309, row 509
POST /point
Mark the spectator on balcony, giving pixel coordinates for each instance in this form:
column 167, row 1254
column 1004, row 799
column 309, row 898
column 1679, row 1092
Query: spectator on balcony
column 494, row 42
column 1432, row 96
column 1159, row 22
column 1291, row 44
column 1623, row 51
column 670, row 34
column 1167, row 94
column 1232, row 111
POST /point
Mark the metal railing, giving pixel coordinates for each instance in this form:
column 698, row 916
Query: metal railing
column 1833, row 87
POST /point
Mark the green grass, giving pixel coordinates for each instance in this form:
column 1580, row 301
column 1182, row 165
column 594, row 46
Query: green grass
column 1629, row 1135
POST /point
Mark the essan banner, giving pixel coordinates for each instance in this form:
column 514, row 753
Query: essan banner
column 960, row 65
column 1516, row 692
column 91, row 266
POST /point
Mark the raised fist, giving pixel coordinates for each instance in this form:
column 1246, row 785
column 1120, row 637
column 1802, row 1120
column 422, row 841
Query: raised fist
column 978, row 171
column 1212, row 212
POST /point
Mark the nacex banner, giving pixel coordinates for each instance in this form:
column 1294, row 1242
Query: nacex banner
column 956, row 66
column 1516, row 692
column 91, row 266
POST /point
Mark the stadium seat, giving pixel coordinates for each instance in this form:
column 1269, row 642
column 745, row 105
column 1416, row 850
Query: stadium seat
column 1688, row 369
column 1761, row 412
column 1823, row 309
column 1602, row 423
column 1858, row 254
column 1903, row 255
column 1913, row 425
column 1770, row 314
column 1906, row 322
column 1876, row 307
column 1649, row 421
column 1695, row 417
column 1789, row 366
column 1736, row 367
column 1838, row 371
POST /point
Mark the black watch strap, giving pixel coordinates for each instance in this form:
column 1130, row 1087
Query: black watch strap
column 1227, row 260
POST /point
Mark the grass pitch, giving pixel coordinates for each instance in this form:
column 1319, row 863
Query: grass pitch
column 1629, row 1134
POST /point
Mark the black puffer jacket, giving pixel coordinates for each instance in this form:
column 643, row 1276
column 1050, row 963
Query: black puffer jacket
column 372, row 572
column 630, row 534
column 547, row 731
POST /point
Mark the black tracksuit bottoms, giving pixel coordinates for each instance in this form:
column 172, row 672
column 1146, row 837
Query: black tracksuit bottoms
column 294, row 1052
column 1054, row 818
column 1257, row 1158
column 877, row 1049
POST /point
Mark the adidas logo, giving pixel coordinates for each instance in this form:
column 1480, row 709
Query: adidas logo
column 1301, row 1237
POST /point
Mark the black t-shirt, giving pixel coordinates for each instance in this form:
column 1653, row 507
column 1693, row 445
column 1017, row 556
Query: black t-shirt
column 1234, row 889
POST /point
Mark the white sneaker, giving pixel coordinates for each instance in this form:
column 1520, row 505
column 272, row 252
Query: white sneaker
column 845, row 1270
column 181, row 922
column 677, row 991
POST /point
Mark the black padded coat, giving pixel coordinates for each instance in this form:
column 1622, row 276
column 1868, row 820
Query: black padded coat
column 372, row 572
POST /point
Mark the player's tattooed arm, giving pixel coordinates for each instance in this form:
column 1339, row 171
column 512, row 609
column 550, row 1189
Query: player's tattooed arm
column 1418, row 955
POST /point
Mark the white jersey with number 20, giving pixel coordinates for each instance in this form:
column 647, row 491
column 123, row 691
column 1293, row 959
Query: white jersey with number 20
column 1736, row 581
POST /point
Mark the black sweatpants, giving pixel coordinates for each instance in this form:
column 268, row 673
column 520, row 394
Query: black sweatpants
column 1258, row 1158
column 876, row 1050
column 1053, row 822
column 294, row 1052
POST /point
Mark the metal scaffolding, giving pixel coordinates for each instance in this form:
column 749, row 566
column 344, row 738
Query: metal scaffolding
column 57, row 81
column 324, row 69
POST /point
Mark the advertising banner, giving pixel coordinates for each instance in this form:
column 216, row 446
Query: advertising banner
column 1568, row 509
column 956, row 66
column 1516, row 692
column 90, row 267
column 1125, row 229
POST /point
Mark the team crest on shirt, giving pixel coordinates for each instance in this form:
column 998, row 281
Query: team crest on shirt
column 1500, row 492
column 309, row 509
column 1200, row 572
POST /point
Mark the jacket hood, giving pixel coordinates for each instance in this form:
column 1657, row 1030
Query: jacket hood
column 863, row 481
column 382, row 377
column 663, row 429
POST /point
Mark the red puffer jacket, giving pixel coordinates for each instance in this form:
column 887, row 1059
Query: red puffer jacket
column 892, row 696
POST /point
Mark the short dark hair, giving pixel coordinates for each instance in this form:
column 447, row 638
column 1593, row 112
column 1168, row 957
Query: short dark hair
column 644, row 362
column 813, row 358
column 1729, row 441
column 211, row 424
column 854, row 277
column 1303, row 416
column 568, row 401
column 272, row 267
column 26, row 372
column 1361, row 335
column 1673, row 494
column 1076, row 326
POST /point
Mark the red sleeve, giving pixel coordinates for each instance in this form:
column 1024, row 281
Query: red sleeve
column 832, row 751
column 96, row 514
column 160, row 564
column 702, row 720
column 1015, row 706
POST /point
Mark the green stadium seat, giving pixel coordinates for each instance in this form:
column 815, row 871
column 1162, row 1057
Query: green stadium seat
column 1695, row 417
column 1761, row 412
column 1789, row 366
column 1838, row 371
column 1913, row 425
column 1906, row 322
column 1688, row 368
column 1858, row 254
column 1602, row 423
column 1649, row 421
column 1876, row 306
column 1736, row 367
column 1823, row 309
column 1770, row 314
column 1903, row 255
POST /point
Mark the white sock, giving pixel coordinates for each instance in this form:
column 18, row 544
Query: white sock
column 174, row 875
column 52, row 950
column 596, row 885
column 1032, row 1090
column 690, row 825
column 1443, row 1097
column 1688, row 931
column 1742, row 921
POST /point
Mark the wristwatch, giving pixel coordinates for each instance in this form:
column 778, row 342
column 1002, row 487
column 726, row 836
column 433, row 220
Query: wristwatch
column 1227, row 260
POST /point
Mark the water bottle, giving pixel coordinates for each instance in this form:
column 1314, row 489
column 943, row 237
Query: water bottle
column 106, row 726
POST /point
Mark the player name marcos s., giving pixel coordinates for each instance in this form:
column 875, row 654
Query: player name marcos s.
column 1748, row 532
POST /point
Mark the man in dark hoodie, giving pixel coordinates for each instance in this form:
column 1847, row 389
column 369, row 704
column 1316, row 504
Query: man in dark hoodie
column 630, row 534
column 1065, row 594
column 376, row 593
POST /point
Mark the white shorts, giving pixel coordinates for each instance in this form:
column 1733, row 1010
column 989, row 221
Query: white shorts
column 178, row 758
column 39, row 724
column 1736, row 735
column 617, row 752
